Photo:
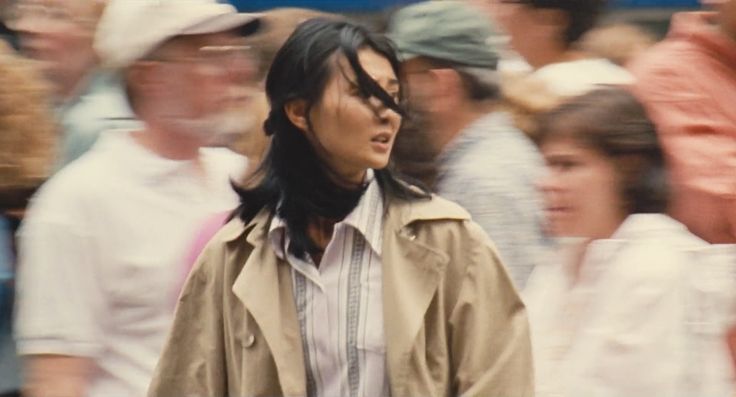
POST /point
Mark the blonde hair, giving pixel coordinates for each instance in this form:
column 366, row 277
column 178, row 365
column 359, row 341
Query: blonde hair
column 619, row 43
column 28, row 135
column 524, row 97
column 276, row 26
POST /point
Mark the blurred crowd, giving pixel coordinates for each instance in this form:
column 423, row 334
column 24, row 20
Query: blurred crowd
column 597, row 160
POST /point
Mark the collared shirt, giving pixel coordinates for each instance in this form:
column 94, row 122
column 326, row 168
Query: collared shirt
column 688, row 84
column 101, row 250
column 643, row 316
column 491, row 170
column 340, row 304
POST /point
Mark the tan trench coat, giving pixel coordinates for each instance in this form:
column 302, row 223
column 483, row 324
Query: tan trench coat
column 454, row 324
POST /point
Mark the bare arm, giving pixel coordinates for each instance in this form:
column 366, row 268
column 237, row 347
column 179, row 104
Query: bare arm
column 56, row 376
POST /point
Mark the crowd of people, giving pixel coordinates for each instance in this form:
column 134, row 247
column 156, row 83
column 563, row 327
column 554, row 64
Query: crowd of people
column 473, row 197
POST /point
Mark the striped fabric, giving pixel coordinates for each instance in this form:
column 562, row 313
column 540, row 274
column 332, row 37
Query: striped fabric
column 340, row 304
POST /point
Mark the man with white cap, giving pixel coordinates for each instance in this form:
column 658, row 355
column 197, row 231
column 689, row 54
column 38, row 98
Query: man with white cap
column 103, row 241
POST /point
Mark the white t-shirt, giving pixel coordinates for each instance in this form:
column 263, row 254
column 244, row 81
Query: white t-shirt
column 101, row 251
column 644, row 316
column 578, row 77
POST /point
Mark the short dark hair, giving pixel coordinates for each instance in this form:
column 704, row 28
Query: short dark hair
column 292, row 181
column 582, row 14
column 613, row 122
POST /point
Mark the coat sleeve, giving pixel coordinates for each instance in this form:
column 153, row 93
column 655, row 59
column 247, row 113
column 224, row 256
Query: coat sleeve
column 193, row 360
column 490, row 342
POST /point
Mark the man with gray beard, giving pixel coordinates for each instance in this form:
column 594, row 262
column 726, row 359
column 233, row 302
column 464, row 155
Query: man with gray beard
column 484, row 163
column 102, row 244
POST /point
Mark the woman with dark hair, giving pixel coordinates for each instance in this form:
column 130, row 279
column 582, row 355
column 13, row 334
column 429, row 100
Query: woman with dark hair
column 335, row 277
column 622, row 315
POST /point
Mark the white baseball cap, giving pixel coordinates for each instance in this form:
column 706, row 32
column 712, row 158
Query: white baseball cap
column 130, row 29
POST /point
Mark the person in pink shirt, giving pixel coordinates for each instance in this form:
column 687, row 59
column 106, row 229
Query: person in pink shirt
column 688, row 84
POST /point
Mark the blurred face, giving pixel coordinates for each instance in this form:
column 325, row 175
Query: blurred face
column 531, row 30
column 416, row 73
column 421, row 88
column 204, row 85
column 352, row 133
column 581, row 191
column 57, row 33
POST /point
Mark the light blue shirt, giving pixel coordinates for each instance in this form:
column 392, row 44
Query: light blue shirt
column 491, row 169
column 101, row 106
column 9, row 363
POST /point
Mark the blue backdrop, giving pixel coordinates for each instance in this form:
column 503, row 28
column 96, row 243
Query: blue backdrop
column 377, row 5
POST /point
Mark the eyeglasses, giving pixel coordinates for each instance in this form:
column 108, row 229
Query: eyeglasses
column 227, row 53
column 217, row 56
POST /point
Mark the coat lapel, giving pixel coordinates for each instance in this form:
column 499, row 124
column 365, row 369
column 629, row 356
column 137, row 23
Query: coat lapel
column 412, row 273
column 273, row 309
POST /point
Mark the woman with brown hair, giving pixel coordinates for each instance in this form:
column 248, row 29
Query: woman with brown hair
column 638, row 306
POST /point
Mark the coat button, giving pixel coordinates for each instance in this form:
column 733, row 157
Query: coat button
column 249, row 340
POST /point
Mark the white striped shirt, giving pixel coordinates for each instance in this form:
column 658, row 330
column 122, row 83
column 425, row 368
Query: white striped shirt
column 340, row 304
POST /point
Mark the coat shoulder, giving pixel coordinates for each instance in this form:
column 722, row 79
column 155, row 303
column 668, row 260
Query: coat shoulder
column 434, row 209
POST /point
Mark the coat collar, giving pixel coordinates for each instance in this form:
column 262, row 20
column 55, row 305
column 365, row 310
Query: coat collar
column 399, row 215
column 411, row 275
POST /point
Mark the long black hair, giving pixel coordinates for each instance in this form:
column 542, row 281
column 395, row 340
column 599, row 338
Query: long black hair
column 292, row 181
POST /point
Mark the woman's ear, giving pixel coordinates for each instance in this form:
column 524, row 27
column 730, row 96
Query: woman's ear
column 296, row 111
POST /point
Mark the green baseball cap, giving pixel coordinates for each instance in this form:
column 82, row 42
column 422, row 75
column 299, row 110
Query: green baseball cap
column 445, row 30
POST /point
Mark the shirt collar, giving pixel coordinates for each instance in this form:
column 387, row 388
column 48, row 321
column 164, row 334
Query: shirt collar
column 598, row 253
column 149, row 165
column 366, row 218
column 636, row 225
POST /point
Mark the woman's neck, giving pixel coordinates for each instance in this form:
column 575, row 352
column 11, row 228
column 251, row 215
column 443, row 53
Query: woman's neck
column 320, row 231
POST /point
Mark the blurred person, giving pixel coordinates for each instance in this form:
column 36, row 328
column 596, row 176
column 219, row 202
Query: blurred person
column 337, row 278
column 635, row 307
column 524, row 97
column 58, row 34
column 484, row 162
column 620, row 43
column 102, row 243
column 276, row 26
column 27, row 148
column 688, row 82
column 546, row 33
column 412, row 156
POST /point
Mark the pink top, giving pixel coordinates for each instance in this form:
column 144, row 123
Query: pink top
column 205, row 234
column 688, row 83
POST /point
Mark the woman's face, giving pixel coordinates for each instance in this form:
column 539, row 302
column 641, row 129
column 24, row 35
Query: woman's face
column 581, row 191
column 352, row 133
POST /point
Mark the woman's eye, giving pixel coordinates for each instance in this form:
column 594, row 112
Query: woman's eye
column 354, row 90
column 566, row 165
column 562, row 165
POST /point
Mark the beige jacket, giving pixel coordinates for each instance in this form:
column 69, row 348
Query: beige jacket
column 454, row 324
